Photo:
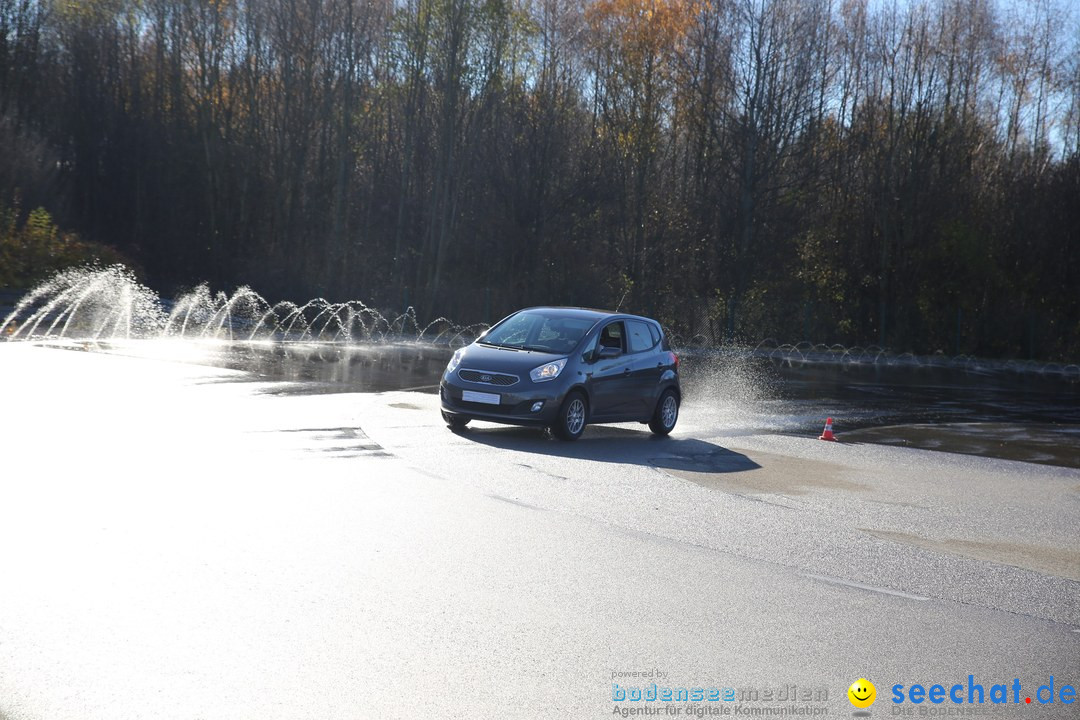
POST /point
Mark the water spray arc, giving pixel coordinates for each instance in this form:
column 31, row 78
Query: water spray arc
column 110, row 304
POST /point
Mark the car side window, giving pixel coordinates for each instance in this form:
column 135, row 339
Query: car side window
column 612, row 336
column 639, row 336
column 655, row 333
column 590, row 348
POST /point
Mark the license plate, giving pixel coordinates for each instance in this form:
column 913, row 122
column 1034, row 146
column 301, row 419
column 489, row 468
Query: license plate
column 487, row 398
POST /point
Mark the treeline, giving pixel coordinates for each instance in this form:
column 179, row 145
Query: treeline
column 900, row 173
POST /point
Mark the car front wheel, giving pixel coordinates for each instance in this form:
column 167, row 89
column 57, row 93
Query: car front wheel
column 455, row 422
column 666, row 414
column 572, row 417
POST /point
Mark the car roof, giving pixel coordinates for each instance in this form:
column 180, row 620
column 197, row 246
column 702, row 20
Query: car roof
column 586, row 313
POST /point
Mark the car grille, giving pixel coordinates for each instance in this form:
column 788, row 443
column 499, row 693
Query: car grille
column 487, row 378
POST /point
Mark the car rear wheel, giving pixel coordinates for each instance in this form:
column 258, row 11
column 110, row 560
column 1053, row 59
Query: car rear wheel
column 573, row 415
column 456, row 422
column 666, row 414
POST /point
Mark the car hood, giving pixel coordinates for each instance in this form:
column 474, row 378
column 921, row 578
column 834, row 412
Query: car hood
column 517, row 362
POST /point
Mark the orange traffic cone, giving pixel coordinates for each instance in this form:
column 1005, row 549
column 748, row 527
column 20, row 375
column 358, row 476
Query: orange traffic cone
column 828, row 434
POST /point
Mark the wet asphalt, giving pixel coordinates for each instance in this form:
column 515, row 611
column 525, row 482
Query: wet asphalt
column 188, row 541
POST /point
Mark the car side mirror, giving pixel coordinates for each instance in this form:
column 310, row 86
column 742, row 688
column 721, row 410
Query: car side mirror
column 607, row 353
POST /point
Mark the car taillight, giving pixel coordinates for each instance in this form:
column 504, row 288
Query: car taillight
column 675, row 360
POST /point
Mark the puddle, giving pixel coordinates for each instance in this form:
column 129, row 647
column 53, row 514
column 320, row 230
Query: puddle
column 1035, row 442
column 1062, row 562
column 771, row 474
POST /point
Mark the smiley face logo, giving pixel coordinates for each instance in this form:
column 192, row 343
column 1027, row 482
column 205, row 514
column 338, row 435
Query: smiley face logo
column 862, row 693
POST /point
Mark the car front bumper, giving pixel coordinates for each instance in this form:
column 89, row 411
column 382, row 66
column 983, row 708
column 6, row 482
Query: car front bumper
column 515, row 402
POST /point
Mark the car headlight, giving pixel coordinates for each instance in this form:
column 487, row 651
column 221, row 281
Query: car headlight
column 455, row 361
column 548, row 371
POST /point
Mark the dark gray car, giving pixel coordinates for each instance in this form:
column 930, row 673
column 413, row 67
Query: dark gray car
column 564, row 368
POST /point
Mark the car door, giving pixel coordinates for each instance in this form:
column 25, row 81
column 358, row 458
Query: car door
column 644, row 371
column 609, row 380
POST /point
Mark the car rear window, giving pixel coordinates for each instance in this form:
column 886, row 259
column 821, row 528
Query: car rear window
column 640, row 337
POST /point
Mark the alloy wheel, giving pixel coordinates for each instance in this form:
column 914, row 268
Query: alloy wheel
column 669, row 411
column 575, row 416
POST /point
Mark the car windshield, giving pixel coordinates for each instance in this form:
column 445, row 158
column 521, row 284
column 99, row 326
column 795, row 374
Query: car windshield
column 540, row 331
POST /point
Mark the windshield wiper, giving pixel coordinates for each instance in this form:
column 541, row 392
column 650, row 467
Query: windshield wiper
column 499, row 345
column 532, row 348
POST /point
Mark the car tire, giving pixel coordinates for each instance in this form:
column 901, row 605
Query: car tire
column 573, row 416
column 666, row 414
column 455, row 422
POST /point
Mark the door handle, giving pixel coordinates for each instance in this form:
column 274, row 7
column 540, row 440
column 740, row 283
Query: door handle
column 626, row 371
